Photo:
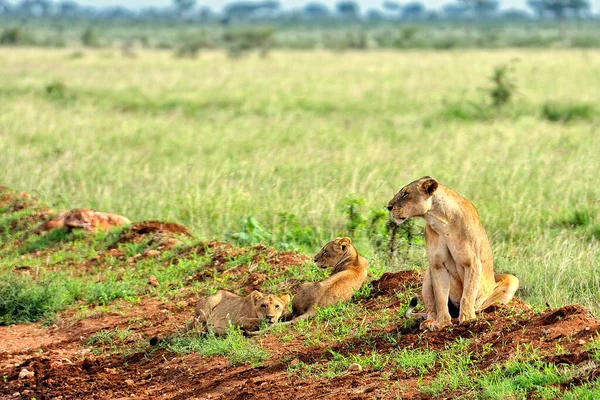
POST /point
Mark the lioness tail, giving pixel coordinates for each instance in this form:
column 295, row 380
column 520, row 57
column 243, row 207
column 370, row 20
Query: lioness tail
column 411, row 306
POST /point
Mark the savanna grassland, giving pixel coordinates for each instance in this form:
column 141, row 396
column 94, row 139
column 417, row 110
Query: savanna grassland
column 274, row 156
column 212, row 141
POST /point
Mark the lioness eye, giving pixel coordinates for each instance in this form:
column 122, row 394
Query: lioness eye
column 277, row 306
column 404, row 195
column 325, row 253
column 263, row 305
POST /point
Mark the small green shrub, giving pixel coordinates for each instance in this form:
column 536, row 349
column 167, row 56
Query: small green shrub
column 240, row 41
column 503, row 85
column 467, row 111
column 12, row 36
column 191, row 46
column 22, row 300
column 56, row 90
column 89, row 38
column 564, row 112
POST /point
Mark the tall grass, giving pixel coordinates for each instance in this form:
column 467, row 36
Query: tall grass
column 212, row 141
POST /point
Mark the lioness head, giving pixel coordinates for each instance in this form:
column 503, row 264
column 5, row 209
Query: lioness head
column 413, row 200
column 269, row 307
column 333, row 252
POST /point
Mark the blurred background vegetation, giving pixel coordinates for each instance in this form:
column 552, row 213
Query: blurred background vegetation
column 187, row 27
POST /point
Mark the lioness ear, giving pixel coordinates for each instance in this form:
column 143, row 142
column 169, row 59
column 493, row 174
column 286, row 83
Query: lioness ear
column 429, row 185
column 286, row 300
column 256, row 296
column 344, row 243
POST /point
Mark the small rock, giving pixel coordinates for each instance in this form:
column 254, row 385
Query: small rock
column 152, row 281
column 581, row 342
column 587, row 328
column 129, row 382
column 25, row 373
column 115, row 253
column 294, row 362
column 16, row 394
column 355, row 367
column 151, row 253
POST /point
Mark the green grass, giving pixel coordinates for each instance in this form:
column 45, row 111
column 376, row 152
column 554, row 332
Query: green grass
column 247, row 151
column 234, row 346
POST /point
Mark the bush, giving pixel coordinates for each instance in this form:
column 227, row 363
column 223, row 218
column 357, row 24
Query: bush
column 563, row 112
column 12, row 36
column 503, row 85
column 190, row 47
column 22, row 300
column 239, row 42
column 89, row 38
column 56, row 90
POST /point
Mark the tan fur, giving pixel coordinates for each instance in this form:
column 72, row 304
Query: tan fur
column 460, row 258
column 348, row 274
column 223, row 309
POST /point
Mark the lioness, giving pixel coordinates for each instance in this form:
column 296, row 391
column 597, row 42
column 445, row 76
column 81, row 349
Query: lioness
column 461, row 270
column 348, row 274
column 222, row 309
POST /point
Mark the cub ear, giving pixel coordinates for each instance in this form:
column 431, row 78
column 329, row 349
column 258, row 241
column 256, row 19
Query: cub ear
column 428, row 185
column 286, row 300
column 256, row 296
column 344, row 243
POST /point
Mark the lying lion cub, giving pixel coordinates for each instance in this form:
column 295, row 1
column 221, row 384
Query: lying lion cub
column 461, row 270
column 222, row 309
column 348, row 274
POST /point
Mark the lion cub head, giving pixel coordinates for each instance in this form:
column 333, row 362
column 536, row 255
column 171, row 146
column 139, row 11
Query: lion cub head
column 413, row 200
column 334, row 253
column 269, row 307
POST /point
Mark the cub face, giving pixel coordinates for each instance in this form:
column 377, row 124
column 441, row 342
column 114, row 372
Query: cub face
column 269, row 307
column 413, row 200
column 333, row 252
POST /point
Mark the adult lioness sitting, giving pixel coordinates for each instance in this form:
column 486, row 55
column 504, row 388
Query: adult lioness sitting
column 460, row 258
column 348, row 274
column 222, row 309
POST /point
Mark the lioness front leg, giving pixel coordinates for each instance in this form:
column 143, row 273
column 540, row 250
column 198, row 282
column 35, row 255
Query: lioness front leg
column 472, row 280
column 440, row 279
column 428, row 300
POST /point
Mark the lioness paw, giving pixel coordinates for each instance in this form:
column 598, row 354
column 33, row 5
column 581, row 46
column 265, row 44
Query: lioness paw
column 466, row 316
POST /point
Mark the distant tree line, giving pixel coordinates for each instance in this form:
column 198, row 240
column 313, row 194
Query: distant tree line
column 190, row 11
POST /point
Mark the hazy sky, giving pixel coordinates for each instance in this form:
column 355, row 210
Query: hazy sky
column 218, row 4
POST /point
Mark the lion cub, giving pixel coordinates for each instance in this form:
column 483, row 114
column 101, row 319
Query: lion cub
column 348, row 274
column 222, row 309
column 218, row 311
column 461, row 269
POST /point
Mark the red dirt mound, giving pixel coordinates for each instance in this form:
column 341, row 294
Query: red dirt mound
column 392, row 282
column 138, row 231
column 164, row 235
